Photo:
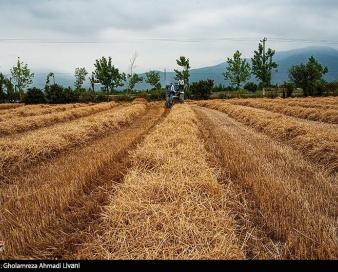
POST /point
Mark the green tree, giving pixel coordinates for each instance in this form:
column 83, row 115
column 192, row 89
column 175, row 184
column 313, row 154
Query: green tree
column 55, row 94
column 12, row 95
column 80, row 77
column 262, row 65
column 2, row 87
column 309, row 76
column 251, row 87
column 109, row 76
column 185, row 73
column 202, row 89
column 21, row 76
column 153, row 78
column 287, row 89
column 50, row 75
column 238, row 70
column 133, row 80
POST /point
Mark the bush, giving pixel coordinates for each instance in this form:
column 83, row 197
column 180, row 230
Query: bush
column 54, row 94
column 86, row 96
column 123, row 98
column 288, row 89
column 144, row 95
column 202, row 89
column 34, row 96
column 156, row 95
column 331, row 88
column 101, row 97
column 221, row 96
column 219, row 88
column 251, row 87
column 70, row 96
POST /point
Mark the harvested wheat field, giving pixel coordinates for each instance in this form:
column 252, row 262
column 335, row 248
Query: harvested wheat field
column 217, row 179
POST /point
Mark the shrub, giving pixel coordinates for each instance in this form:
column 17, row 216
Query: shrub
column 54, row 94
column 87, row 96
column 34, row 96
column 219, row 88
column 288, row 89
column 69, row 95
column 101, row 97
column 202, row 89
column 251, row 87
column 156, row 95
column 123, row 98
column 331, row 88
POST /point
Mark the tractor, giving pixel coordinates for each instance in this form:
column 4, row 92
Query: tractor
column 174, row 92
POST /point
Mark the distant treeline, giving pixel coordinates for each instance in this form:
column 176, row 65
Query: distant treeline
column 304, row 80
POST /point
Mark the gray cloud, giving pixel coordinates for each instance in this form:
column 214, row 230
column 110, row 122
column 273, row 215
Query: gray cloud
column 152, row 26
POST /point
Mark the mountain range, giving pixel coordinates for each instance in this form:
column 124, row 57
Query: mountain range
column 325, row 55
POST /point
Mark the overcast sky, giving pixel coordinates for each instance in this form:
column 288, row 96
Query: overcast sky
column 59, row 35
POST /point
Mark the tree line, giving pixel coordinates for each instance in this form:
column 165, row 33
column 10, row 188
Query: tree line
column 308, row 77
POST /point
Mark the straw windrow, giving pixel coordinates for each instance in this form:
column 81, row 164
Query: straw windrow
column 319, row 146
column 328, row 115
column 170, row 205
column 23, row 151
column 20, row 124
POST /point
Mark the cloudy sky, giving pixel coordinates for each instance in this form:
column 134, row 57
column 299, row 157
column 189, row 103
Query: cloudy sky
column 59, row 35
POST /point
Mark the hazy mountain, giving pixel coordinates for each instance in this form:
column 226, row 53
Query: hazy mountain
column 325, row 55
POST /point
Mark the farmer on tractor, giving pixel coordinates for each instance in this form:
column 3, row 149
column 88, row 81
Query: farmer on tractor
column 174, row 92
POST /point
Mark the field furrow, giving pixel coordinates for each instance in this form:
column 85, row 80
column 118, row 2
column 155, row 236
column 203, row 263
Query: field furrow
column 20, row 152
column 170, row 205
column 58, row 204
column 319, row 146
column 19, row 124
column 286, row 204
column 314, row 114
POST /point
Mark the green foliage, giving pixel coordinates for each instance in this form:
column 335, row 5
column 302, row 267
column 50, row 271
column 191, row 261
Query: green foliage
column 80, row 77
column 50, row 75
column 34, row 96
column 7, row 91
column 222, row 88
column 100, row 97
column 287, row 89
column 133, row 80
column 262, row 65
column 331, row 88
column 70, row 96
column 238, row 70
column 123, row 98
column 22, row 77
column 309, row 77
column 54, row 94
column 153, row 78
column 251, row 86
column 202, row 89
column 185, row 73
column 108, row 75
column 3, row 95
column 156, row 95
column 86, row 96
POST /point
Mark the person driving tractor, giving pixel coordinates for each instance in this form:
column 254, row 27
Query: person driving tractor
column 174, row 91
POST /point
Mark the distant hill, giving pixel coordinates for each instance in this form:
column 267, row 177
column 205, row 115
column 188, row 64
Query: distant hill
column 285, row 59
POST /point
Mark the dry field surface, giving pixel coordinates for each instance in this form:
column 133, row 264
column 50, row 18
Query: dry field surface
column 217, row 179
